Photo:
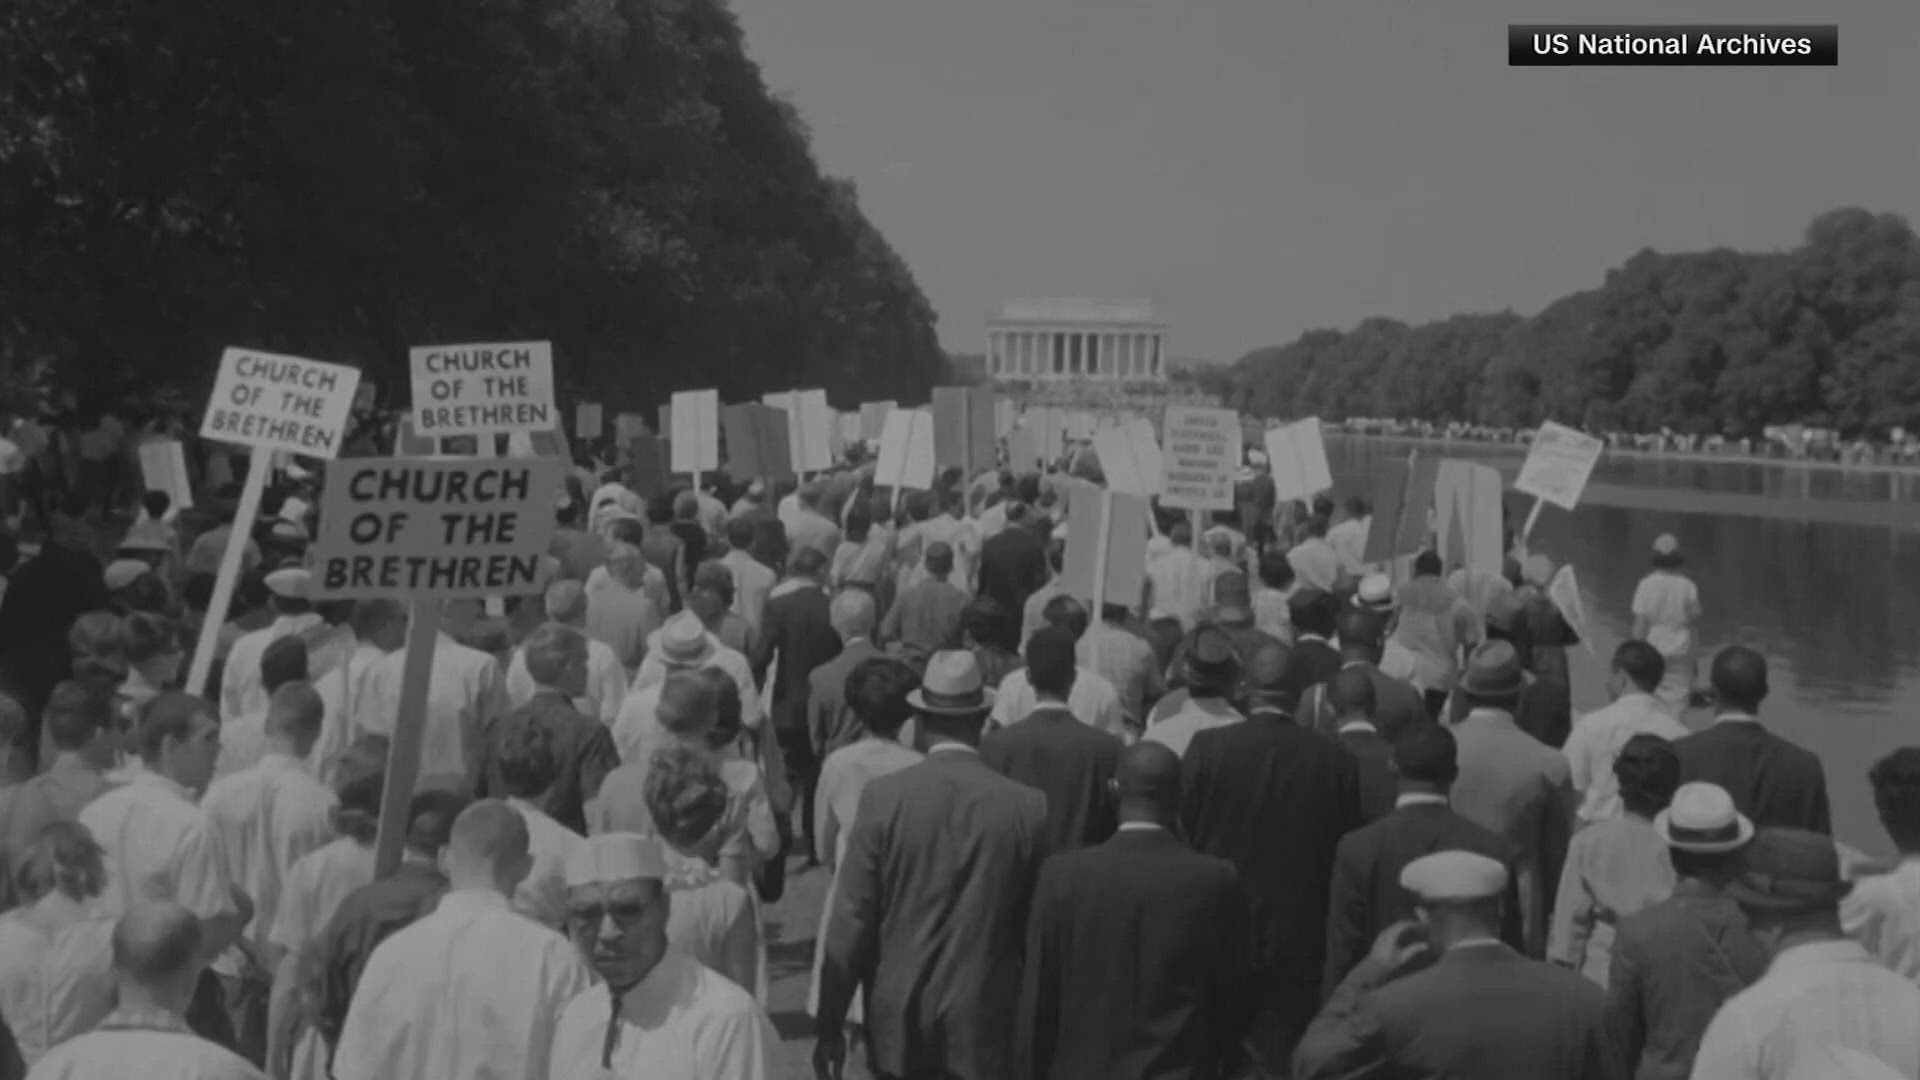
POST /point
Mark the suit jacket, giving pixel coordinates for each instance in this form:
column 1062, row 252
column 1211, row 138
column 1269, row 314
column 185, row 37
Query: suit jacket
column 584, row 755
column 830, row 724
column 1521, row 788
column 1378, row 787
column 1480, row 1011
column 1136, row 956
column 1274, row 800
column 1365, row 896
column 1319, row 660
column 1013, row 566
column 1070, row 763
column 1397, row 706
column 929, row 915
column 795, row 626
column 1776, row 783
column 1674, row 965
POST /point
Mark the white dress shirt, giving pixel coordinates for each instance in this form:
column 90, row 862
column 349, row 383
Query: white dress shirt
column 1883, row 915
column 143, row 1053
column 1093, row 701
column 473, row 991
column 653, row 672
column 542, row 895
column 314, row 889
column 606, row 682
column 158, row 845
column 1182, row 584
column 1176, row 731
column 683, row 1022
column 461, row 697
column 241, row 691
column 56, row 972
column 1595, row 743
column 1826, row 994
column 268, row 818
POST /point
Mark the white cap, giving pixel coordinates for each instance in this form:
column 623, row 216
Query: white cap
column 124, row 572
column 614, row 857
column 290, row 582
column 1454, row 876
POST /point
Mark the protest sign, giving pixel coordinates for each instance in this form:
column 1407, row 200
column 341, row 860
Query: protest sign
column 1557, row 467
column 483, row 389
column 1467, row 516
column 365, row 396
column 1129, row 458
column 757, row 442
column 693, row 423
column 630, row 426
column 1201, row 458
column 1106, row 556
column 963, row 429
column 270, row 404
column 810, row 425
column 163, row 465
column 906, row 452
column 1006, row 413
column 1402, row 509
column 1297, row 456
column 647, row 472
column 873, row 418
column 1023, row 452
column 428, row 531
column 586, row 420
column 1564, row 591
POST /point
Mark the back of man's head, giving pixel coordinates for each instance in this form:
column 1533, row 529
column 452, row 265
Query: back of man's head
column 294, row 715
column 1148, row 776
column 1642, row 665
column 852, row 614
column 1740, row 679
column 566, row 602
column 156, row 946
column 1351, row 694
column 1050, row 661
column 431, row 817
column 687, row 704
column 488, row 847
column 283, row 662
column 1067, row 613
column 549, row 649
column 1426, row 754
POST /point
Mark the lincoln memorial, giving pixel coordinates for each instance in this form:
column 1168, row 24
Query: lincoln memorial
column 1078, row 340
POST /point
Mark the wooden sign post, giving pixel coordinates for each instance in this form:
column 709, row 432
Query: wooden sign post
column 271, row 404
column 1557, row 468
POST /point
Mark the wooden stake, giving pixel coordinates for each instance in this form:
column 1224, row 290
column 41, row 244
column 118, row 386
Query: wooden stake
column 259, row 467
column 409, row 727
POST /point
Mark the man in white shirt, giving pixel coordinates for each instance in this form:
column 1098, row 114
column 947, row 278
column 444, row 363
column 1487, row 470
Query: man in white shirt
column 752, row 581
column 473, row 989
column 1315, row 562
column 157, row 951
column 379, row 627
column 606, row 676
column 1212, row 673
column 464, row 696
column 685, row 643
column 1821, row 990
column 268, row 817
column 1349, row 538
column 241, row 692
column 1094, row 700
column 657, row 1012
column 1598, row 736
column 1883, row 911
column 1666, row 605
column 1182, row 580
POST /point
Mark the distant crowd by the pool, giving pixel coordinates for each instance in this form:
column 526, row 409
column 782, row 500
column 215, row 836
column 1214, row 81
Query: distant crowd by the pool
column 1792, row 442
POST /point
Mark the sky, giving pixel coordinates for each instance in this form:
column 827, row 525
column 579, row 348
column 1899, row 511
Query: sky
column 1261, row 168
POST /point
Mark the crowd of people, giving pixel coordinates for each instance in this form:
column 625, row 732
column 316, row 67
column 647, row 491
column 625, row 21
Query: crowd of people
column 1785, row 443
column 1284, row 813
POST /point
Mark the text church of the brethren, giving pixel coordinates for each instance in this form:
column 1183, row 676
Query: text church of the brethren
column 1080, row 341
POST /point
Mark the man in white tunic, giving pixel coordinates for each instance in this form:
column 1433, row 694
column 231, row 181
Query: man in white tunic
column 474, row 990
column 157, row 954
column 268, row 817
column 659, row 1013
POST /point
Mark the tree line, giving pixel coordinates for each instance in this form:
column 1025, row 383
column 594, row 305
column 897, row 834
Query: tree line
column 344, row 179
column 1716, row 342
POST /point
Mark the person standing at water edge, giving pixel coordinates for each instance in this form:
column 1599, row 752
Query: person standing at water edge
column 1666, row 604
column 1776, row 783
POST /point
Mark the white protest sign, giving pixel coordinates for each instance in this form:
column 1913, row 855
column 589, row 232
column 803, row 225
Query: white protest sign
column 809, row 427
column 1564, row 591
column 873, row 418
column 1298, row 457
column 696, row 431
column 276, row 402
column 906, row 451
column 1006, row 413
column 458, row 529
column 1129, row 458
column 1080, row 425
column 483, row 389
column 586, row 420
column 1559, row 464
column 163, row 465
column 1106, row 556
column 1201, row 458
column 630, row 426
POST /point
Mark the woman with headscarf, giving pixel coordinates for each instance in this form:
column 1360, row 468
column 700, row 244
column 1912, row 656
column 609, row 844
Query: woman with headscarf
column 1618, row 866
column 1542, row 638
column 1665, row 606
column 712, row 918
column 56, row 951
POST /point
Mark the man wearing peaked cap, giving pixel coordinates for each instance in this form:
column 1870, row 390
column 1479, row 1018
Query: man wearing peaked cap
column 1441, row 996
column 243, row 695
column 124, row 572
column 930, row 899
column 1822, row 988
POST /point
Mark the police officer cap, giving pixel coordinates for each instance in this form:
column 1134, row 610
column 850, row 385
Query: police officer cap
column 290, row 582
column 1454, row 876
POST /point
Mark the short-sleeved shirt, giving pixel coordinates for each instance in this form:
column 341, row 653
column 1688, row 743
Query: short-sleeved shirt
column 159, row 845
column 1669, row 602
column 269, row 817
column 315, row 888
column 1093, row 701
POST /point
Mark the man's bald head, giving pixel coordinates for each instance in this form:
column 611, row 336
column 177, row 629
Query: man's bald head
column 1740, row 679
column 1352, row 695
column 156, row 945
column 489, row 841
column 1148, row 776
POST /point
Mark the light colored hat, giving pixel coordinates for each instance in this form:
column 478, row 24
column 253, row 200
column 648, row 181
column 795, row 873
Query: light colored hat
column 1375, row 593
column 290, row 582
column 1666, row 544
column 124, row 572
column 952, row 686
column 684, row 641
column 1701, row 818
column 1538, row 569
column 615, row 857
column 1454, row 876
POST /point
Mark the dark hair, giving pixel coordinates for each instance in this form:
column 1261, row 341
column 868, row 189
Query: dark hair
column 1740, row 678
column 1050, row 660
column 1427, row 564
column 686, row 795
column 283, row 662
column 144, row 636
column 988, row 623
column 1351, row 693
column 375, row 614
column 357, row 815
column 1428, row 753
column 430, row 818
column 1066, row 613
column 156, row 503
column 170, row 715
column 76, row 714
column 1896, row 795
column 876, row 694
column 939, row 559
column 1649, row 773
column 627, row 531
column 728, row 708
column 807, row 562
column 740, row 534
column 525, row 761
column 1641, row 663
column 1313, row 612
column 147, row 593
column 1275, row 571
column 1702, row 864
column 660, row 509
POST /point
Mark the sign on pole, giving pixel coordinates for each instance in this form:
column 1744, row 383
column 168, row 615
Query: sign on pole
column 1297, row 456
column 873, row 418
column 163, row 465
column 269, row 403
column 694, row 424
column 964, row 432
column 1129, row 458
column 809, row 428
column 757, row 442
column 1558, row 465
column 1201, row 458
column 1106, row 556
column 586, row 420
column 483, row 389
column 1468, row 516
column 906, row 452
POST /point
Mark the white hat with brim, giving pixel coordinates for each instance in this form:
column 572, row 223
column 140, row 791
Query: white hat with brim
column 1702, row 819
column 1375, row 593
column 952, row 686
column 610, row 858
column 290, row 582
column 684, row 641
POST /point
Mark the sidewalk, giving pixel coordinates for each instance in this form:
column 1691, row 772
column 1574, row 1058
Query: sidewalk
column 791, row 927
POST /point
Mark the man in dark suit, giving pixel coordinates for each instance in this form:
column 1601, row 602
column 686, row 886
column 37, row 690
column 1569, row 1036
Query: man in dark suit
column 1443, row 997
column 1274, row 799
column 796, row 630
column 1365, row 896
column 1777, row 784
column 830, row 724
column 1313, row 612
column 1137, row 948
column 929, row 912
column 1051, row 751
column 583, row 750
column 1351, row 697
column 1397, row 705
column 1013, row 561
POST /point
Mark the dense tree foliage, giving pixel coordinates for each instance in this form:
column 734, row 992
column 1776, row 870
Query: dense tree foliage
column 343, row 179
column 1716, row 342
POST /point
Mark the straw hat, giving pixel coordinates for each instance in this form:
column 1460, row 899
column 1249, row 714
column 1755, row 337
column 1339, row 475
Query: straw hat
column 952, row 686
column 1701, row 818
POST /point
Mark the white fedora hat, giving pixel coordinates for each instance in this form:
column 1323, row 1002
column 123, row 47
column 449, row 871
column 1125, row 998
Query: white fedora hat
column 1702, row 819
